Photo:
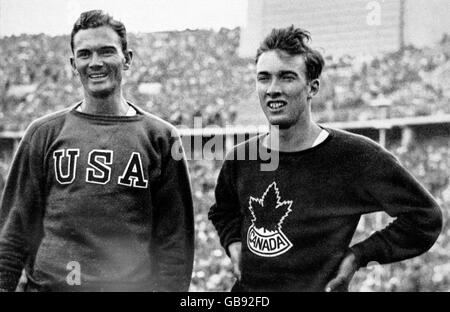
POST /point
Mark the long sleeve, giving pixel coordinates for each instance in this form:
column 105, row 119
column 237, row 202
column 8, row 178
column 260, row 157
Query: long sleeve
column 418, row 220
column 225, row 214
column 173, row 227
column 21, row 213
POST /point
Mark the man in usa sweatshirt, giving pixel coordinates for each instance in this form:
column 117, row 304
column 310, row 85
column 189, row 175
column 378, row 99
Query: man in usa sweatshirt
column 94, row 200
column 290, row 229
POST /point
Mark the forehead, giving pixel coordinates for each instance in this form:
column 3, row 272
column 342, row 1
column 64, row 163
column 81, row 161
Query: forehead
column 274, row 61
column 96, row 37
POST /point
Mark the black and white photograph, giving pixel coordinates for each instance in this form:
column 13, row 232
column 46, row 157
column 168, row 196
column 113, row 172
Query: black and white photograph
column 231, row 147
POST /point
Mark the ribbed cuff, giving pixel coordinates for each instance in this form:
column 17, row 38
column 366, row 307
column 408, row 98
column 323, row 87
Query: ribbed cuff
column 8, row 281
column 231, row 241
column 361, row 262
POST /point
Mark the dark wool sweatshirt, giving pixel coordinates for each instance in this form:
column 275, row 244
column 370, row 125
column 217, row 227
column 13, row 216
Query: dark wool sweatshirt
column 296, row 223
column 98, row 203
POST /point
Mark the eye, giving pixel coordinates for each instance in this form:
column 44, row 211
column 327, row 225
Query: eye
column 83, row 54
column 108, row 51
column 262, row 78
column 288, row 78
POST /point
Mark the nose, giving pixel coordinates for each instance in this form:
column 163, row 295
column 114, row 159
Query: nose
column 274, row 88
column 96, row 61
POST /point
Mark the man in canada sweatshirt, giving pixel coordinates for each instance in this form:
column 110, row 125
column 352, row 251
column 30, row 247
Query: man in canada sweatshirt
column 290, row 229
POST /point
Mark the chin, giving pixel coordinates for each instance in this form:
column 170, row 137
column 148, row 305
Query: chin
column 282, row 124
column 101, row 94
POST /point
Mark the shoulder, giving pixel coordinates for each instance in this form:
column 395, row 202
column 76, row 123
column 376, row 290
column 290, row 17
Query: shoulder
column 358, row 150
column 43, row 125
column 349, row 140
column 157, row 125
column 355, row 143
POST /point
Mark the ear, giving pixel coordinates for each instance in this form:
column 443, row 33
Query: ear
column 128, row 60
column 74, row 67
column 314, row 87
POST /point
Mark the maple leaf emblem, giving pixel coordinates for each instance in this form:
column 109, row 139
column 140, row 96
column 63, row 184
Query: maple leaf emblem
column 269, row 211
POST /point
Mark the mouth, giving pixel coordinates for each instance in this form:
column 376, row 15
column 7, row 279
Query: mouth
column 276, row 105
column 97, row 76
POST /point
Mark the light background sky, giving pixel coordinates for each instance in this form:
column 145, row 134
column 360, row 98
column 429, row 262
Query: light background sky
column 56, row 17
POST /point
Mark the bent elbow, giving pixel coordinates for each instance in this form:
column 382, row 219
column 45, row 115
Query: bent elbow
column 436, row 224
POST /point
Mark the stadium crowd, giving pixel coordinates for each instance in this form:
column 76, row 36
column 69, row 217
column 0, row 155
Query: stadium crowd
column 411, row 82
column 181, row 75
column 176, row 75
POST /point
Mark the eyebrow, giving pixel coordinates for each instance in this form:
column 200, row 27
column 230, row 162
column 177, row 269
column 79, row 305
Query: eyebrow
column 100, row 48
column 287, row 72
column 107, row 47
column 281, row 73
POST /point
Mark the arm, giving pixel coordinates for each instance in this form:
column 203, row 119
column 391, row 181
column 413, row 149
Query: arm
column 173, row 225
column 225, row 214
column 388, row 185
column 21, row 214
column 235, row 250
column 418, row 222
column 347, row 269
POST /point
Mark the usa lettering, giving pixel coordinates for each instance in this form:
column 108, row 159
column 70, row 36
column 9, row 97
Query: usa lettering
column 99, row 160
column 98, row 169
column 67, row 176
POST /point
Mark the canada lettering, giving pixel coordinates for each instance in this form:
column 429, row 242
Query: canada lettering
column 266, row 243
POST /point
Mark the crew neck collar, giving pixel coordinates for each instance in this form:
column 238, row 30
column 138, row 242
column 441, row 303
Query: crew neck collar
column 325, row 142
column 136, row 116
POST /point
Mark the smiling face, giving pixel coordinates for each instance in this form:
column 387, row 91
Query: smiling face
column 282, row 88
column 99, row 61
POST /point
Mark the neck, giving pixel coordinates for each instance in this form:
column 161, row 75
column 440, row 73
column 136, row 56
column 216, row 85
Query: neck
column 296, row 138
column 113, row 104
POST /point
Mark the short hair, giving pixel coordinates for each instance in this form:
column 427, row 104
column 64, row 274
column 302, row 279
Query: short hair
column 98, row 18
column 294, row 41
